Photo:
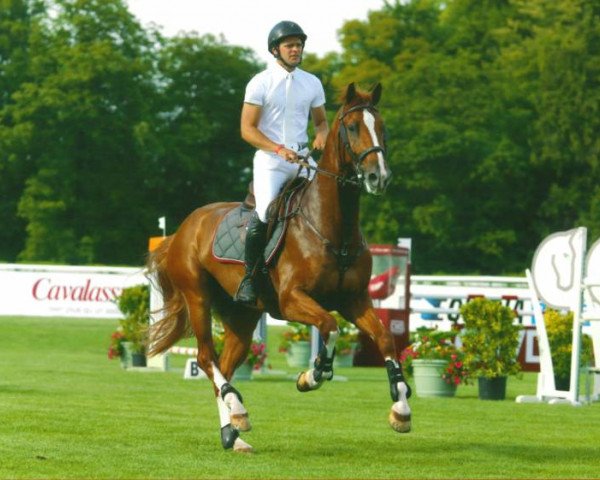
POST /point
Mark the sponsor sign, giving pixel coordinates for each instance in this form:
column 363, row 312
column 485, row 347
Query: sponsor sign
column 39, row 290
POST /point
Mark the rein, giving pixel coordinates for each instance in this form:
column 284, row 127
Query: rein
column 342, row 179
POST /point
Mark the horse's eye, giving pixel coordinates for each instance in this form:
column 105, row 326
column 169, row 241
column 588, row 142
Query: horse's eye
column 353, row 127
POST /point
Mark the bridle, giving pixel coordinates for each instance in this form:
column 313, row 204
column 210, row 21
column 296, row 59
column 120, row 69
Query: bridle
column 357, row 159
column 356, row 177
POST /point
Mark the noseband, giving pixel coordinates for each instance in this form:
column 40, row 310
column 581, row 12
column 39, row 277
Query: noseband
column 357, row 177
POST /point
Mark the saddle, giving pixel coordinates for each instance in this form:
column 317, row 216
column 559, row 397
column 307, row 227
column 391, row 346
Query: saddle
column 230, row 236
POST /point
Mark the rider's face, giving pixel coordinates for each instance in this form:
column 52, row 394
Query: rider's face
column 290, row 50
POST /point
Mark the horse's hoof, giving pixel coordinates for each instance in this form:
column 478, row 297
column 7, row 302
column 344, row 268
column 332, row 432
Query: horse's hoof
column 400, row 423
column 241, row 446
column 240, row 422
column 303, row 383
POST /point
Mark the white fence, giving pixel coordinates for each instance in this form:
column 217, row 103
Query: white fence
column 64, row 291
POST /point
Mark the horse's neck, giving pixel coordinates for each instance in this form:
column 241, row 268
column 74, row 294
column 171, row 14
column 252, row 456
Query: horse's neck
column 333, row 208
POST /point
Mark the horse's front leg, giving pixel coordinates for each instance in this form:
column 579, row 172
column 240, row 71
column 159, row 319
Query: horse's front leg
column 297, row 306
column 367, row 320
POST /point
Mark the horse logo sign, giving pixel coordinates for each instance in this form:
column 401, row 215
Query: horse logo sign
column 557, row 268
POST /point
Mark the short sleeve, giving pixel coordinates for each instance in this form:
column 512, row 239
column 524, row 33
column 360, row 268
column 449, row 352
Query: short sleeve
column 319, row 98
column 255, row 91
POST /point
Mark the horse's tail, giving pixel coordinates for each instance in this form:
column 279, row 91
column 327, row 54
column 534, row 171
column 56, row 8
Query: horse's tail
column 173, row 323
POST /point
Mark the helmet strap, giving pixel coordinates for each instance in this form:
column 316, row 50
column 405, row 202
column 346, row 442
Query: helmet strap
column 279, row 58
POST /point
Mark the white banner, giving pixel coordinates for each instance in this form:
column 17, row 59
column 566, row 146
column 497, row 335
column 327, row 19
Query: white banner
column 64, row 291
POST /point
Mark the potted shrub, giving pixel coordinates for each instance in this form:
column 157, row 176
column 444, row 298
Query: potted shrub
column 128, row 342
column 345, row 345
column 435, row 362
column 559, row 328
column 490, row 340
column 295, row 342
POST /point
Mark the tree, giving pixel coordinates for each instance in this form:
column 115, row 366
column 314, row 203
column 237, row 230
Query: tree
column 90, row 86
column 194, row 147
column 18, row 23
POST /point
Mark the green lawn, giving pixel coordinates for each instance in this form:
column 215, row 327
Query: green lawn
column 68, row 412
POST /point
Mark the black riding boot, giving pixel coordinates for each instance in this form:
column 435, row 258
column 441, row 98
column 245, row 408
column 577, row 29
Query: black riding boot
column 255, row 245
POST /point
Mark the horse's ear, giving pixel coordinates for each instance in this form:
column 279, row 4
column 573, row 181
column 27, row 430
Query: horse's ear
column 350, row 92
column 376, row 94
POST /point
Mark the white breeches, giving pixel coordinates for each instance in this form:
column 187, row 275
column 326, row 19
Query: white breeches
column 270, row 174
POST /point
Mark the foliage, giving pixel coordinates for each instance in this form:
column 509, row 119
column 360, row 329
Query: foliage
column 116, row 348
column 99, row 117
column 295, row 332
column 347, row 340
column 134, row 304
column 103, row 119
column 559, row 328
column 433, row 344
column 257, row 355
column 490, row 338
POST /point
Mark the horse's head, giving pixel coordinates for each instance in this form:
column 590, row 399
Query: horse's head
column 361, row 134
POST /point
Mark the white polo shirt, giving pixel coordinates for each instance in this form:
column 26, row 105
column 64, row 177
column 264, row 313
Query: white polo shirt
column 268, row 90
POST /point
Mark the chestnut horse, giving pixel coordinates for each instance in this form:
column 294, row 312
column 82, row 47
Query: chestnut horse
column 325, row 265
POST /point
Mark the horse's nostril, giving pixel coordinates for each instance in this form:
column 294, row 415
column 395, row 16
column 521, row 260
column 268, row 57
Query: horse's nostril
column 373, row 178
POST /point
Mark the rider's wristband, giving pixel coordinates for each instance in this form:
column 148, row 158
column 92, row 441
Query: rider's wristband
column 279, row 147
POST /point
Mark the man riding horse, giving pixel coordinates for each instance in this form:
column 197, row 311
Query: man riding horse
column 323, row 265
column 274, row 119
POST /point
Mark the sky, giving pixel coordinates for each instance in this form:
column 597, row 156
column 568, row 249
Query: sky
column 247, row 22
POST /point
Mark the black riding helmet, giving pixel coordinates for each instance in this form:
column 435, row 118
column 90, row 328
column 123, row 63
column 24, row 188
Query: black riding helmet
column 285, row 29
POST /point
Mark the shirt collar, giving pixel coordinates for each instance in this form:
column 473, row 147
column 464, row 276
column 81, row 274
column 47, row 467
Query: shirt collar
column 282, row 72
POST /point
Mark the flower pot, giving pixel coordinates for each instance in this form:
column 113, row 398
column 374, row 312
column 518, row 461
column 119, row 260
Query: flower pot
column 126, row 355
column 428, row 378
column 299, row 354
column 138, row 360
column 492, row 388
column 243, row 373
column 344, row 360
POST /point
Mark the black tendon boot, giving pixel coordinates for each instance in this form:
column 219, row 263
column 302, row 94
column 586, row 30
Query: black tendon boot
column 255, row 245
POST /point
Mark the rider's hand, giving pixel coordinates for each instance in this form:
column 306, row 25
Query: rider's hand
column 319, row 142
column 288, row 155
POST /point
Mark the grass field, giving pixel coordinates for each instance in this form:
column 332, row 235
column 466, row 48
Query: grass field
column 66, row 411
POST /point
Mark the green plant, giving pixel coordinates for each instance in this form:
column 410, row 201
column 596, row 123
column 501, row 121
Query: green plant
column 490, row 338
column 348, row 336
column 134, row 304
column 559, row 327
column 296, row 332
column 432, row 344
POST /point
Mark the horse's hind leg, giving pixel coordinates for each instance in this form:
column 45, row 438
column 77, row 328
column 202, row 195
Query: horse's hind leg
column 238, row 323
column 197, row 294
